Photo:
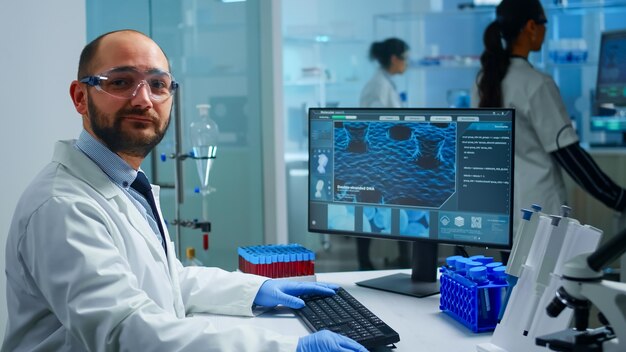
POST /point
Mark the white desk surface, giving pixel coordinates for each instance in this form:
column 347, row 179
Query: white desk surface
column 418, row 321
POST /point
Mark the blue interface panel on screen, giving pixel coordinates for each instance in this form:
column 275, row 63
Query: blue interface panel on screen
column 439, row 175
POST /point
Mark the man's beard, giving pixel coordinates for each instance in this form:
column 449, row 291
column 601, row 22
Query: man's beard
column 116, row 139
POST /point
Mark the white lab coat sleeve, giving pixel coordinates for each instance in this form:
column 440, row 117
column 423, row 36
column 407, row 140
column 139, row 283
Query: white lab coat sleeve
column 72, row 261
column 549, row 117
column 213, row 290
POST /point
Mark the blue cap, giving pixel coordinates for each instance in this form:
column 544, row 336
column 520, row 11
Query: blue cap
column 491, row 266
column 499, row 273
column 459, row 264
column 478, row 274
column 451, row 261
column 536, row 207
column 526, row 214
column 485, row 260
column 473, row 264
column 475, row 257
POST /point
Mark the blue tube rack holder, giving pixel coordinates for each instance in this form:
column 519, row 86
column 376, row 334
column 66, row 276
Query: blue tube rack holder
column 474, row 305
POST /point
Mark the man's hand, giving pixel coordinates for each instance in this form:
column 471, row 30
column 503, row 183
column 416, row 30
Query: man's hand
column 275, row 292
column 327, row 341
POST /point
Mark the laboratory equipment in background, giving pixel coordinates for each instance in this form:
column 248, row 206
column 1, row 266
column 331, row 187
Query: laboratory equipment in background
column 609, row 116
column 568, row 51
column 203, row 136
column 582, row 285
column 278, row 261
column 555, row 240
column 458, row 98
column 190, row 258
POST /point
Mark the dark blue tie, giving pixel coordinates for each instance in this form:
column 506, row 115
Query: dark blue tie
column 142, row 185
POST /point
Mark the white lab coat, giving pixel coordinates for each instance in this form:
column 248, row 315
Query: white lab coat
column 539, row 117
column 85, row 272
column 380, row 92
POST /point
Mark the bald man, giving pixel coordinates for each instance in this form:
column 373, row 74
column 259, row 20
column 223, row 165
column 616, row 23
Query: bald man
column 89, row 262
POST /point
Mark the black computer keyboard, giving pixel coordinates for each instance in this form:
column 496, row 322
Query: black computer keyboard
column 343, row 314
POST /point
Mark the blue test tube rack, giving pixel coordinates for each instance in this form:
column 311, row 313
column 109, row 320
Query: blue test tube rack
column 472, row 300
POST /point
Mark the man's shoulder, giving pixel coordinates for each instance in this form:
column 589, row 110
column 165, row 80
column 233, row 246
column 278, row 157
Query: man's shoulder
column 47, row 183
column 55, row 180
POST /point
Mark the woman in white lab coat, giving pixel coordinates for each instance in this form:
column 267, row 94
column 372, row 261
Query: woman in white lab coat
column 380, row 91
column 545, row 140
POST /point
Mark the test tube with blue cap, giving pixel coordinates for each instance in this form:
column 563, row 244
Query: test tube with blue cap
column 476, row 257
column 451, row 262
column 498, row 277
column 459, row 266
column 478, row 274
column 469, row 264
column 484, row 260
column 490, row 268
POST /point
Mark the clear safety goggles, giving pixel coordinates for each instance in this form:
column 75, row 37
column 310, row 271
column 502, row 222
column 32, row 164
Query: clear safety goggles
column 125, row 82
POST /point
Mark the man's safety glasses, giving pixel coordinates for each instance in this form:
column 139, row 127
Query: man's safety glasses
column 125, row 82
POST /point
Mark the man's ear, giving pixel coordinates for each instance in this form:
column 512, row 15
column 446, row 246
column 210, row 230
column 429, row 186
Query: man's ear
column 78, row 94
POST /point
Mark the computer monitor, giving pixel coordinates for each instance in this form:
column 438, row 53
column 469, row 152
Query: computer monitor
column 610, row 95
column 424, row 175
column 611, row 81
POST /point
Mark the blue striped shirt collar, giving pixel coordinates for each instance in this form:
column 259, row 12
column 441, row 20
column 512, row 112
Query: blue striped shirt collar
column 115, row 167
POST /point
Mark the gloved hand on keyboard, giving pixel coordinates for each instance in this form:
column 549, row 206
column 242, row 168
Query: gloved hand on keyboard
column 328, row 341
column 275, row 292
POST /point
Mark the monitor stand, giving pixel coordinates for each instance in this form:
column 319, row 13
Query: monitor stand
column 423, row 279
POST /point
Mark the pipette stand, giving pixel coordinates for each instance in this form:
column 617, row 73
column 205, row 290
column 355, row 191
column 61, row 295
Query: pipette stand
column 521, row 324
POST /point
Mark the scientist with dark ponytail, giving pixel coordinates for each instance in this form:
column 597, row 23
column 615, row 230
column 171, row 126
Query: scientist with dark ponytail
column 546, row 142
column 380, row 91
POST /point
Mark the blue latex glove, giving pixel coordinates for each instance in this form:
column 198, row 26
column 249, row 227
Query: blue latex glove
column 275, row 292
column 328, row 341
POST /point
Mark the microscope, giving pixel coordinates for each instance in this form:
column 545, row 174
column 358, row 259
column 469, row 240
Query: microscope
column 582, row 286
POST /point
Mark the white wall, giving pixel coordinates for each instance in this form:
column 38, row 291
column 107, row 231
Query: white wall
column 41, row 42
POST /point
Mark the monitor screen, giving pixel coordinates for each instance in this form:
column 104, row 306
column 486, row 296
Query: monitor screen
column 611, row 82
column 424, row 175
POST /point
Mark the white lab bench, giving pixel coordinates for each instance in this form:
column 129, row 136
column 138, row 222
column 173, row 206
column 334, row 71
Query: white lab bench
column 418, row 321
